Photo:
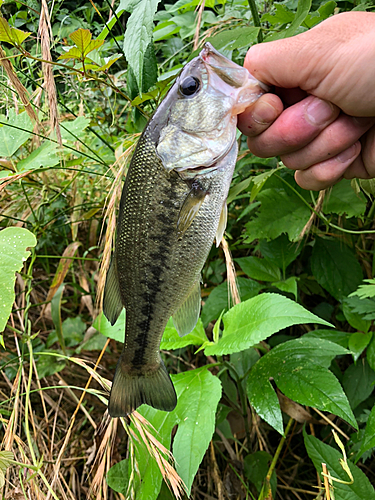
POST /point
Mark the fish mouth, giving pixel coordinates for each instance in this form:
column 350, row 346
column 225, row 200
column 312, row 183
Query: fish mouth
column 231, row 79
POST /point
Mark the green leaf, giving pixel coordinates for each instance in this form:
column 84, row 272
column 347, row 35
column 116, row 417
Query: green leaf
column 83, row 39
column 292, row 212
column 280, row 252
column 358, row 342
column 115, row 332
column 343, row 200
column 335, row 267
column 340, row 338
column 256, row 467
column 369, row 436
column 5, row 461
column 264, row 399
column 218, row 300
column 11, row 35
column 365, row 291
column 199, row 393
column 254, row 320
column 322, row 13
column 302, row 11
column 13, row 138
column 259, row 269
column 43, row 157
column 235, row 38
column 322, row 453
column 371, row 353
column 118, row 476
column 289, row 285
column 138, row 34
column 259, row 182
column 358, row 382
column 13, row 244
column 355, row 319
column 73, row 53
column 299, row 368
column 171, row 339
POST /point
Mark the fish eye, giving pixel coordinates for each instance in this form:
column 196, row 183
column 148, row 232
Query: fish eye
column 189, row 86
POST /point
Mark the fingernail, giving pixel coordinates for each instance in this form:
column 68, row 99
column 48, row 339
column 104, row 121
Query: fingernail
column 318, row 111
column 347, row 154
column 264, row 113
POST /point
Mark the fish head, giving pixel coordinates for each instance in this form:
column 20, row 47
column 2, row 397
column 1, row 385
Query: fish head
column 200, row 112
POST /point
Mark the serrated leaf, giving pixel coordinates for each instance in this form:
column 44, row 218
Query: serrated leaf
column 264, row 399
column 219, row 298
column 303, row 9
column 365, row 291
column 13, row 253
column 12, row 138
column 73, row 53
column 171, row 339
column 368, row 440
column 259, row 269
column 282, row 210
column 343, row 200
column 254, row 320
column 358, row 382
column 138, row 34
column 355, row 319
column 11, row 35
column 83, row 39
column 280, row 252
column 335, row 267
column 320, row 453
column 299, row 368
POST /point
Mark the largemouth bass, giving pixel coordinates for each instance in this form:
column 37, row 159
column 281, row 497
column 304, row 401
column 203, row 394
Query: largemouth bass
column 172, row 207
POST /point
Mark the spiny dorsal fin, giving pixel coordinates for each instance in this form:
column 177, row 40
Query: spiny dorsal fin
column 186, row 317
column 190, row 208
column 112, row 303
column 222, row 224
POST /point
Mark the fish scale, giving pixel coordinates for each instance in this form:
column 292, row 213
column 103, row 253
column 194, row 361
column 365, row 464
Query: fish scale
column 168, row 219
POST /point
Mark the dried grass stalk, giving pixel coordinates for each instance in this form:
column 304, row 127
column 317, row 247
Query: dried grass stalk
column 312, row 218
column 200, row 8
column 20, row 89
column 45, row 35
column 231, row 273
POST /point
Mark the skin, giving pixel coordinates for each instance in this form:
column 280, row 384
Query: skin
column 321, row 117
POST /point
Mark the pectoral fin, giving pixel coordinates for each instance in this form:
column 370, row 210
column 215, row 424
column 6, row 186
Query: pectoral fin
column 187, row 315
column 112, row 303
column 222, row 223
column 190, row 208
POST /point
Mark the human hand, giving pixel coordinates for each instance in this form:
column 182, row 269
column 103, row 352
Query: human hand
column 325, row 78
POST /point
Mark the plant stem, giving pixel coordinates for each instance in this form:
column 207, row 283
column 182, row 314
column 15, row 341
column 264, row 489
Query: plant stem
column 266, row 484
column 256, row 19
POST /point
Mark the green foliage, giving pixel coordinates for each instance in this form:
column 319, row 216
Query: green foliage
column 235, row 370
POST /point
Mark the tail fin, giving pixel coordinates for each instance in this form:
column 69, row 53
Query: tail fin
column 130, row 391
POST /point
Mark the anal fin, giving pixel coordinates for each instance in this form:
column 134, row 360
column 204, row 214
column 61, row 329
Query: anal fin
column 112, row 303
column 186, row 317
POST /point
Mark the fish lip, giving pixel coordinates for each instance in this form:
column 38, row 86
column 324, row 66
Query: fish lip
column 213, row 58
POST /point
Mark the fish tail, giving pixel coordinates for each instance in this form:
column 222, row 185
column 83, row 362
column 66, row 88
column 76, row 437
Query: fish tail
column 132, row 390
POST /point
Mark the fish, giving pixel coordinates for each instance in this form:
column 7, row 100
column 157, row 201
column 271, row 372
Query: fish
column 173, row 206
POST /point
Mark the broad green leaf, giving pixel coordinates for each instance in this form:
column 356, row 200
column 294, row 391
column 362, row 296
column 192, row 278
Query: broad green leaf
column 83, row 39
column 13, row 244
column 11, row 35
column 259, row 269
column 138, row 34
column 280, row 252
column 342, row 199
column 369, row 437
column 70, row 130
column 371, row 353
column 198, row 393
column 73, row 53
column 219, row 298
column 43, row 157
column 335, row 267
column 235, row 38
column 281, row 15
column 264, row 399
column 299, row 368
column 355, row 319
column 340, row 338
column 322, row 453
column 289, row 285
column 358, row 382
column 116, row 331
column 322, row 13
column 254, row 320
column 171, row 339
column 118, row 476
column 12, row 138
column 282, row 210
column 358, row 342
